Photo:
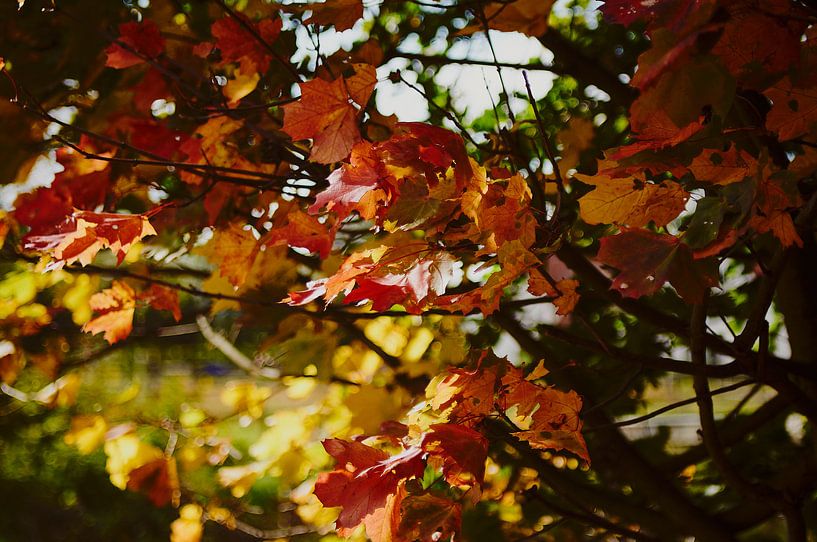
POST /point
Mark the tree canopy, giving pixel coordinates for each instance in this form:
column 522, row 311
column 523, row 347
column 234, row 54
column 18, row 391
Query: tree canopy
column 428, row 270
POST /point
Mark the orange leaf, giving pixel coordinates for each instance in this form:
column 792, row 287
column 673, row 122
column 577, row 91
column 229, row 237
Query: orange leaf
column 140, row 41
column 163, row 298
column 83, row 234
column 116, row 305
column 325, row 113
column 158, row 479
column 630, row 201
column 722, row 167
column 343, row 14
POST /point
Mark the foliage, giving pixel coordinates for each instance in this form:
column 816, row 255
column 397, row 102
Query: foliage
column 451, row 323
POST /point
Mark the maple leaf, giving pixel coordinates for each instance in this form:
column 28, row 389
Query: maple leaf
column 116, row 305
column 672, row 13
column 564, row 291
column 210, row 145
column 630, row 201
column 83, row 234
column 234, row 250
column 295, row 228
column 429, row 518
column 723, row 167
column 328, row 112
column 514, row 260
column 158, row 479
column 163, row 298
column 554, row 414
column 152, row 136
column 794, row 108
column 469, row 391
column 755, row 44
column 353, row 187
column 342, row 14
column 237, row 44
column 424, row 279
column 647, row 260
column 530, row 17
column 152, row 87
column 462, row 450
column 771, row 212
column 367, row 483
column 82, row 184
column 137, row 41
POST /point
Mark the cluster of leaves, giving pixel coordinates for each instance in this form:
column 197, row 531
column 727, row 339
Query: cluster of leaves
column 355, row 252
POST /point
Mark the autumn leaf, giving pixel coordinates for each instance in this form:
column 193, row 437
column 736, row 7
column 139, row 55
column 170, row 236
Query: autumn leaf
column 354, row 187
column 158, row 479
column 529, row 17
column 723, row 167
column 429, row 518
column 772, row 211
column 162, row 298
column 342, row 14
column 794, row 108
column 138, row 42
column 116, row 306
column 328, row 113
column 461, row 450
column 564, row 291
column 630, row 201
column 83, row 234
column 647, row 260
column 413, row 284
column 367, row 484
column 237, row 44
column 234, row 250
column 291, row 226
column 514, row 260
column 188, row 527
column 210, row 145
column 469, row 391
column 127, row 453
column 554, row 415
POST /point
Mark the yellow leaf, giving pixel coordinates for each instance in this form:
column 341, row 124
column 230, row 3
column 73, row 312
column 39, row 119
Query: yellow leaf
column 117, row 305
column 245, row 397
column 76, row 299
column 188, row 528
column 87, row 433
column 240, row 479
column 630, row 201
column 240, row 86
column 125, row 454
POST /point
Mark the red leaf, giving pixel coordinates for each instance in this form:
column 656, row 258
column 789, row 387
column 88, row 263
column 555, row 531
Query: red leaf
column 364, row 481
column 429, row 518
column 82, row 184
column 116, row 306
column 158, row 479
column 647, row 260
column 425, row 278
column 237, row 44
column 83, row 234
column 353, row 186
column 163, row 298
column 293, row 227
column 325, row 115
column 462, row 450
column 342, row 14
column 140, row 40
column 151, row 88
